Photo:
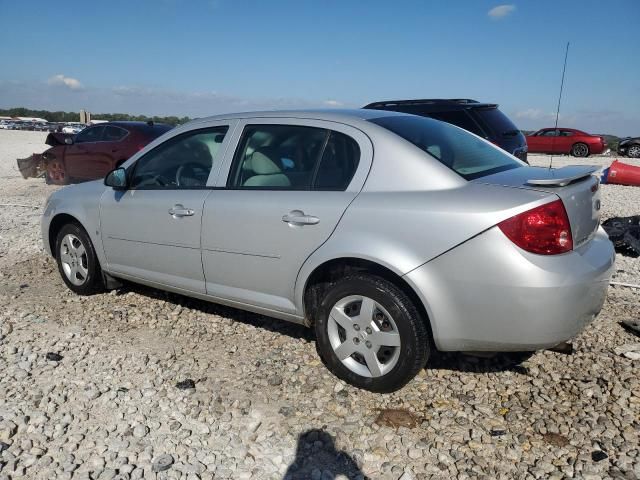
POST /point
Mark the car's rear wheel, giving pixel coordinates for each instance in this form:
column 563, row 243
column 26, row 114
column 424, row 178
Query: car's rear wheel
column 77, row 261
column 580, row 150
column 56, row 173
column 634, row 151
column 370, row 334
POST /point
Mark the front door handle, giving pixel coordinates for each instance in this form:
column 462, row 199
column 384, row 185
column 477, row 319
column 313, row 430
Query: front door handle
column 298, row 217
column 178, row 211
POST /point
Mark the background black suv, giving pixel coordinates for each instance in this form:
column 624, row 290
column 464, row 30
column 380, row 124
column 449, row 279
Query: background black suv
column 483, row 119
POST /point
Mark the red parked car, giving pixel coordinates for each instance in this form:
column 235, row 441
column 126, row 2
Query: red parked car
column 92, row 153
column 567, row 141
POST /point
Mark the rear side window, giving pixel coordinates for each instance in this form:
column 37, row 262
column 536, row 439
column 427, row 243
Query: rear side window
column 465, row 154
column 114, row 134
column 459, row 118
column 91, row 134
column 496, row 122
column 293, row 157
column 338, row 164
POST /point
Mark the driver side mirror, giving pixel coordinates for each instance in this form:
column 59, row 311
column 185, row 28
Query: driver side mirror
column 116, row 179
column 68, row 141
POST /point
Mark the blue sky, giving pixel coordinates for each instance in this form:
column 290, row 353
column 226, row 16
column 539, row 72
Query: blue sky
column 202, row 57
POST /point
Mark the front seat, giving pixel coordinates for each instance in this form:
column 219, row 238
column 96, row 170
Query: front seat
column 266, row 172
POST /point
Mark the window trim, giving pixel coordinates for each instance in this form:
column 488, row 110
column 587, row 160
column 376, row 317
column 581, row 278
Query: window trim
column 131, row 169
column 241, row 145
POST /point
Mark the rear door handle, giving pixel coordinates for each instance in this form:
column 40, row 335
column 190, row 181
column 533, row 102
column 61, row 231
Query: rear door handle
column 298, row 217
column 178, row 211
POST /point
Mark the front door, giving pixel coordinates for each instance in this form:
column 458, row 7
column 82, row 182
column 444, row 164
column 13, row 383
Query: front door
column 87, row 150
column 288, row 185
column 152, row 230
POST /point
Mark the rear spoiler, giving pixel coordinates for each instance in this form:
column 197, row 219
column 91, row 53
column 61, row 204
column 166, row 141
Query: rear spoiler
column 564, row 176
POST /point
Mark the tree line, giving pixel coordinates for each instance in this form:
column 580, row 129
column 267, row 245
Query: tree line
column 60, row 116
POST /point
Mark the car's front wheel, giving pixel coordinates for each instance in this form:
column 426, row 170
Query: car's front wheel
column 580, row 150
column 634, row 151
column 370, row 334
column 77, row 261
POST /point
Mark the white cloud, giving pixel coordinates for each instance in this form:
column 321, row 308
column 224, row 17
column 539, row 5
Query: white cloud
column 501, row 11
column 533, row 114
column 333, row 103
column 62, row 81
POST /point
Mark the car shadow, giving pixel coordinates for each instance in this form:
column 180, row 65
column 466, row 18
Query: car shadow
column 290, row 329
column 453, row 361
column 317, row 457
column 462, row 362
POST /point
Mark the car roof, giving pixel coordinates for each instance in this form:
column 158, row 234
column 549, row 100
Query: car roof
column 333, row 115
column 132, row 124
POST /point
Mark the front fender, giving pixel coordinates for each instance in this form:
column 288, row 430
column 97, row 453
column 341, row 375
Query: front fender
column 82, row 203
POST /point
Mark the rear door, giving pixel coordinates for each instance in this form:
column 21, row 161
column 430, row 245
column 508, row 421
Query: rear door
column 151, row 231
column 288, row 184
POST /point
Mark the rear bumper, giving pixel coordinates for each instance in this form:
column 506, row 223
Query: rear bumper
column 489, row 295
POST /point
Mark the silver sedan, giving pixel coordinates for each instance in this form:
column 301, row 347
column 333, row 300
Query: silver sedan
column 390, row 234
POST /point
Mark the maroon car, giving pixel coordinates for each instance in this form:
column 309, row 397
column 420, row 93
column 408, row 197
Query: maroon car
column 567, row 141
column 92, row 153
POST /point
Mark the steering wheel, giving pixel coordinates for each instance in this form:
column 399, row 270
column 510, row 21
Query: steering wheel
column 190, row 169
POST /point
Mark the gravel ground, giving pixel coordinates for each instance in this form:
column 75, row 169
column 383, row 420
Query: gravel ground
column 262, row 405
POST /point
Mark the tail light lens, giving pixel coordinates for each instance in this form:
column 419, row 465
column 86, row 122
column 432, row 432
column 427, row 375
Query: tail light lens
column 544, row 230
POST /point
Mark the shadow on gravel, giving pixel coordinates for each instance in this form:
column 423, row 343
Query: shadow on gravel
column 273, row 325
column 317, row 457
column 460, row 362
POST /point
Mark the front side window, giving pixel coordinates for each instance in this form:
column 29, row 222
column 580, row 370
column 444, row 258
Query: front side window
column 184, row 161
column 465, row 154
column 91, row 134
column 550, row 133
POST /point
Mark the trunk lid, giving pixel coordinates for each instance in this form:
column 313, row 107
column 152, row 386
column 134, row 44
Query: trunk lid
column 577, row 187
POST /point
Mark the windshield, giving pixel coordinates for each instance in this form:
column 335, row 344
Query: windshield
column 464, row 153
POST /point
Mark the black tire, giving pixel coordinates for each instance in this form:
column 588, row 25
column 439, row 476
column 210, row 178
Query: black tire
column 580, row 150
column 90, row 283
column 634, row 151
column 414, row 335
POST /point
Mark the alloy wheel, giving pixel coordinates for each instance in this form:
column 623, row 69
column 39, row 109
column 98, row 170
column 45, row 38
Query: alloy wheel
column 364, row 336
column 73, row 257
column 634, row 151
column 580, row 150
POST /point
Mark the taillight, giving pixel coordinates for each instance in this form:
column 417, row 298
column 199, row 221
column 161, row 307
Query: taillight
column 544, row 230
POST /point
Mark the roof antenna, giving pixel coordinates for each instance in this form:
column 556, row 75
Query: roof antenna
column 553, row 139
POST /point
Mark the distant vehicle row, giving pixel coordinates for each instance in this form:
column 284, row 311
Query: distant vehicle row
column 42, row 126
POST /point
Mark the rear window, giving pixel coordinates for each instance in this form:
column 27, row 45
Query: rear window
column 465, row 154
column 496, row 122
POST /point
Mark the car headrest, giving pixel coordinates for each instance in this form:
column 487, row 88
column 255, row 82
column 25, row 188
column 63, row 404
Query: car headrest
column 263, row 162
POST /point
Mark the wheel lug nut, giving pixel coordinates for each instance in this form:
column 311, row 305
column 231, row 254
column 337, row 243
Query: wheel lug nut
column 356, row 340
column 368, row 329
column 356, row 327
column 368, row 344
